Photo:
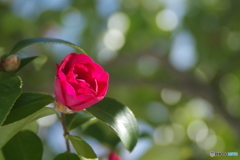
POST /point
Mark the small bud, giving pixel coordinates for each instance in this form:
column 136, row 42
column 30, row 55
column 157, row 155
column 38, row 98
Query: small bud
column 113, row 156
column 11, row 64
column 61, row 108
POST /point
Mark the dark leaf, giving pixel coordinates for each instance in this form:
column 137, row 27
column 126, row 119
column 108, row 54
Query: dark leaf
column 8, row 131
column 38, row 61
column 27, row 42
column 120, row 118
column 77, row 119
column 25, row 145
column 66, row 156
column 103, row 134
column 27, row 104
column 10, row 89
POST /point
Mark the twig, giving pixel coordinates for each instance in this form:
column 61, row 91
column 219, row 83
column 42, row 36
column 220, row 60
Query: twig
column 66, row 133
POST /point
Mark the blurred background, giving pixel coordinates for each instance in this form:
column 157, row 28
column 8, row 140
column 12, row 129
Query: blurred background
column 174, row 63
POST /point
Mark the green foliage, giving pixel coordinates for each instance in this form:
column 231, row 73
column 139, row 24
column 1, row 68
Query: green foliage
column 37, row 60
column 119, row 118
column 20, row 113
column 82, row 148
column 24, row 43
column 33, row 126
column 103, row 134
column 8, row 131
column 66, row 156
column 26, row 105
column 25, row 145
column 10, row 85
column 77, row 119
column 25, row 61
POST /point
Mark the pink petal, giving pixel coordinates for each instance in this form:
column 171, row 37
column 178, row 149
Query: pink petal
column 96, row 69
column 102, row 84
column 86, row 91
column 73, row 58
column 80, row 82
column 68, row 90
column 113, row 156
column 86, row 101
column 58, row 91
column 81, row 71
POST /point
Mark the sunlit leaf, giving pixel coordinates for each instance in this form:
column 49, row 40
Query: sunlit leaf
column 77, row 119
column 120, row 118
column 33, row 126
column 27, row 42
column 1, row 155
column 82, row 148
column 10, row 89
column 25, row 145
column 66, row 156
column 37, row 60
column 27, row 104
column 8, row 131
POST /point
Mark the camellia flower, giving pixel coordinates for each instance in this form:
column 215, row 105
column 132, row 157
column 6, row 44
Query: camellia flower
column 79, row 83
column 113, row 156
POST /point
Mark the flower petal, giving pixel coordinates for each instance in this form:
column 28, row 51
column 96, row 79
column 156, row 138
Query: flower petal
column 80, row 82
column 66, row 88
column 73, row 58
column 87, row 101
column 58, row 91
column 102, row 83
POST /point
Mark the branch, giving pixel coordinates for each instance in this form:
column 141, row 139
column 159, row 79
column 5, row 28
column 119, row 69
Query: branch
column 66, row 133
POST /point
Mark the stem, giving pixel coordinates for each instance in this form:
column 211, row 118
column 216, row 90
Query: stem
column 66, row 133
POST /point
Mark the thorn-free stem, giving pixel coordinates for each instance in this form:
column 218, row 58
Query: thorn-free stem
column 66, row 133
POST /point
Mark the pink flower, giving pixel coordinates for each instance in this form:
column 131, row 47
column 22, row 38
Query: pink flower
column 113, row 156
column 79, row 83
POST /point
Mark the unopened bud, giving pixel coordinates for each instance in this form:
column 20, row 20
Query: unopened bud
column 11, row 64
column 64, row 109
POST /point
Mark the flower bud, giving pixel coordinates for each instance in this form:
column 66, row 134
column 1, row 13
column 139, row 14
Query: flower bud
column 61, row 108
column 80, row 82
column 11, row 64
column 113, row 156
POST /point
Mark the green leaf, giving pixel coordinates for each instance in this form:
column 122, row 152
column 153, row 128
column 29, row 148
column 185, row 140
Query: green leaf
column 8, row 131
column 77, row 119
column 82, row 148
column 37, row 60
column 1, row 155
column 27, row 42
column 25, row 145
column 33, row 126
column 120, row 118
column 66, row 156
column 103, row 134
column 27, row 104
column 10, row 89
